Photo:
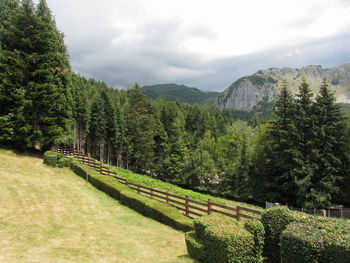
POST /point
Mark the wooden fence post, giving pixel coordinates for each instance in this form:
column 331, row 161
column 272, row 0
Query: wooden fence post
column 187, row 208
column 138, row 188
column 88, row 159
column 324, row 213
column 108, row 170
column 167, row 197
column 152, row 192
column 101, row 167
column 209, row 206
column 116, row 173
column 94, row 164
column 238, row 213
column 127, row 182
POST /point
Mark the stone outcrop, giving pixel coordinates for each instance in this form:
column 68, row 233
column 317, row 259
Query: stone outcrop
column 245, row 93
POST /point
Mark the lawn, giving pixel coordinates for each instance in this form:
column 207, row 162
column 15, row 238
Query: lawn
column 49, row 215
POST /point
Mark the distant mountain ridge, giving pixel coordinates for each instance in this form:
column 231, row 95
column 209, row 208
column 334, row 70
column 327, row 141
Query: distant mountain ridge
column 174, row 92
column 245, row 93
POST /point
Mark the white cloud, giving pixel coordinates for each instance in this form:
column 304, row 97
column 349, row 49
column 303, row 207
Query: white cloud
column 177, row 41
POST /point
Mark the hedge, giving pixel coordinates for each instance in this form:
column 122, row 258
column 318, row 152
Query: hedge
column 64, row 162
column 319, row 241
column 275, row 221
column 223, row 239
column 50, row 158
column 194, row 246
column 142, row 204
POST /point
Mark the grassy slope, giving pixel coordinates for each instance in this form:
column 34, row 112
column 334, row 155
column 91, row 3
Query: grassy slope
column 158, row 184
column 49, row 215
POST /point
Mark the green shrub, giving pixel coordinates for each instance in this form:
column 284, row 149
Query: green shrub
column 194, row 246
column 256, row 228
column 319, row 241
column 50, row 158
column 142, row 204
column 64, row 162
column 222, row 239
column 275, row 221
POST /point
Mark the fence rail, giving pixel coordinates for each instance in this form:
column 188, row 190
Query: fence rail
column 191, row 208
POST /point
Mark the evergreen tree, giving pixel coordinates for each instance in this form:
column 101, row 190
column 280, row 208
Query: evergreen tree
column 284, row 151
column 140, row 123
column 328, row 152
column 97, row 127
column 33, row 49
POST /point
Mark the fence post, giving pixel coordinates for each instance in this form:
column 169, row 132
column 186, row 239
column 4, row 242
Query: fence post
column 187, row 208
column 323, row 213
column 116, row 173
column 167, row 197
column 108, row 170
column 238, row 213
column 152, row 192
column 209, row 206
column 95, row 164
column 101, row 167
column 127, row 182
column 88, row 159
column 138, row 188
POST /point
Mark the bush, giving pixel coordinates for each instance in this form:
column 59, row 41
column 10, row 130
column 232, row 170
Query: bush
column 223, row 239
column 319, row 241
column 194, row 246
column 142, row 204
column 50, row 158
column 275, row 221
column 256, row 228
column 64, row 162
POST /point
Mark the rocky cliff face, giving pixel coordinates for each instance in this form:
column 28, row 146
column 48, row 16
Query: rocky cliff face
column 246, row 92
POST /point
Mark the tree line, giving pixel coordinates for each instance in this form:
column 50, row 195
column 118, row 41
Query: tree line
column 296, row 152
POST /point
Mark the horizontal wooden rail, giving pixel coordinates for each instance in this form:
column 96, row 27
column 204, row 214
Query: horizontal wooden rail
column 188, row 206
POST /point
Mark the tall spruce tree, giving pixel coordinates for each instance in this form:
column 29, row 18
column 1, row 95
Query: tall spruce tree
column 38, row 79
column 329, row 152
column 140, row 123
column 283, row 151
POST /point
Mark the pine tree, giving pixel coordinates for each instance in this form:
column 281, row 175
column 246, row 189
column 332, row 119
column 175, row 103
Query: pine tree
column 329, row 152
column 284, row 135
column 33, row 50
column 97, row 127
column 140, row 123
column 80, row 111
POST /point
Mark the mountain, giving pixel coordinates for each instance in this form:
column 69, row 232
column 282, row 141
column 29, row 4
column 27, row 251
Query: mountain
column 245, row 93
column 174, row 92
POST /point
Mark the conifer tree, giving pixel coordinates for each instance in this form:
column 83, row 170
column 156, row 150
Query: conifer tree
column 284, row 135
column 140, row 123
column 39, row 78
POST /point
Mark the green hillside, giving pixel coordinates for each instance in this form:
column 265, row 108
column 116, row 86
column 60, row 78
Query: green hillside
column 174, row 92
column 49, row 215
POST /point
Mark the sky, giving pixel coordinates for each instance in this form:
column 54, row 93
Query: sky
column 199, row 43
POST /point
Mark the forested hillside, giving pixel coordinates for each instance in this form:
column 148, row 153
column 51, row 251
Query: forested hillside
column 295, row 151
column 182, row 93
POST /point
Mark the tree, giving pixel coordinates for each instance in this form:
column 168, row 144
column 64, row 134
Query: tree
column 329, row 153
column 284, row 151
column 33, row 50
column 98, row 127
column 140, row 123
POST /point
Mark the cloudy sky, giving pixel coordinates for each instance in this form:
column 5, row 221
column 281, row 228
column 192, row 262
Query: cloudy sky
column 200, row 43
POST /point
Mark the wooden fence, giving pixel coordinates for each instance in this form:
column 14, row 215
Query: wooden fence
column 191, row 208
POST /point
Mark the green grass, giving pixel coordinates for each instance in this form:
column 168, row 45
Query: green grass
column 49, row 215
column 158, row 184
